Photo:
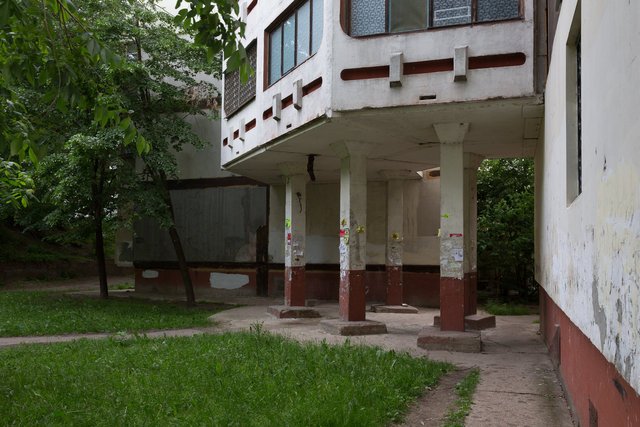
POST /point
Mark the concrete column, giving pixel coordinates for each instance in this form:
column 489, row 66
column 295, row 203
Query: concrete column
column 452, row 225
column 295, row 234
column 353, row 221
column 395, row 234
column 471, row 164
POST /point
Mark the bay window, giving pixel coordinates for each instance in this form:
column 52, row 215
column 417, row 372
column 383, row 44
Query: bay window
column 294, row 39
column 371, row 17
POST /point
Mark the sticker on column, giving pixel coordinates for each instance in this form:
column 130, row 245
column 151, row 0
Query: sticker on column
column 455, row 235
column 344, row 234
column 289, row 239
column 287, row 223
column 395, row 236
column 360, row 229
column 456, row 254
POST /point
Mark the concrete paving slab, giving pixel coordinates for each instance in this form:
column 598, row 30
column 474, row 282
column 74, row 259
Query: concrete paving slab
column 292, row 312
column 404, row 308
column 350, row 328
column 432, row 338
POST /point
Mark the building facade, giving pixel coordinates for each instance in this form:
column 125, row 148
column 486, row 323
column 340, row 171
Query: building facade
column 588, row 208
column 354, row 110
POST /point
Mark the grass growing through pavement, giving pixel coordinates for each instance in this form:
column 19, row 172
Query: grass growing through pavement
column 45, row 313
column 464, row 389
column 248, row 379
column 505, row 309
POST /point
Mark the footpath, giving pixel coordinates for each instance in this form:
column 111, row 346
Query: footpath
column 518, row 383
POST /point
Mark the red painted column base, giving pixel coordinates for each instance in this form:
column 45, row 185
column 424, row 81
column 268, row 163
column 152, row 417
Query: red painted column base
column 452, row 298
column 394, row 285
column 470, row 293
column 352, row 296
column 294, row 286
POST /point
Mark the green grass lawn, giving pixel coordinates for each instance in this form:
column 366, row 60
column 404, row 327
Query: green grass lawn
column 499, row 308
column 45, row 313
column 243, row 379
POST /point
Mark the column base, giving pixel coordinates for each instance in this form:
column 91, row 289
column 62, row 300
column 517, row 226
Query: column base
column 403, row 308
column 452, row 297
column 294, row 286
column 352, row 296
column 292, row 312
column 394, row 285
column 474, row 322
column 433, row 339
column 363, row 327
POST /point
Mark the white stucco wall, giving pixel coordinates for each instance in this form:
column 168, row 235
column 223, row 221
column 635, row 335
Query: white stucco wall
column 421, row 222
column 339, row 51
column 588, row 252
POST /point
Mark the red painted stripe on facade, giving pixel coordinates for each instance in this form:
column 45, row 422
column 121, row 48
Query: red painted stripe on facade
column 236, row 133
column 435, row 66
column 596, row 388
column 267, row 113
column 364, row 73
column 310, row 87
column 250, row 125
column 425, row 67
column 287, row 101
column 497, row 61
column 225, row 142
column 251, row 6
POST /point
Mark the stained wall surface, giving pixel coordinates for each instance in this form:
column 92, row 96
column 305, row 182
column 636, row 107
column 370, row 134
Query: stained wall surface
column 421, row 222
column 588, row 247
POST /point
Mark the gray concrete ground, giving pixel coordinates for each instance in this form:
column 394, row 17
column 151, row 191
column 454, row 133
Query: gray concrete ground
column 518, row 383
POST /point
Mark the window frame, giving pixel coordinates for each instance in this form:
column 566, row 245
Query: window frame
column 279, row 23
column 346, row 19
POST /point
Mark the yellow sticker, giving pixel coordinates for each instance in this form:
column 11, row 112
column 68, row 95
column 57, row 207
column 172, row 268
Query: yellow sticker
column 360, row 229
column 343, row 222
column 395, row 236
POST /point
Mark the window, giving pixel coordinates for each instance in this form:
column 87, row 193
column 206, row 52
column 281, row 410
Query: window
column 574, row 110
column 236, row 95
column 370, row 17
column 295, row 39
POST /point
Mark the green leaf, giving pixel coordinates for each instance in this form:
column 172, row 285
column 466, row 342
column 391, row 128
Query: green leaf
column 32, row 156
column 140, row 144
column 124, row 123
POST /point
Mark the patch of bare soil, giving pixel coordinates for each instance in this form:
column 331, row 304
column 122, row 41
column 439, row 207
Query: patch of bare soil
column 431, row 409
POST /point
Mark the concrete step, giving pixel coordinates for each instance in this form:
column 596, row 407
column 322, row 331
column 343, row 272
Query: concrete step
column 473, row 322
column 404, row 308
column 348, row 328
column 292, row 312
column 433, row 339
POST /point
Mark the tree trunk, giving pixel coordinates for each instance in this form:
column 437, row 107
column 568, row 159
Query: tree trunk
column 161, row 182
column 96, row 189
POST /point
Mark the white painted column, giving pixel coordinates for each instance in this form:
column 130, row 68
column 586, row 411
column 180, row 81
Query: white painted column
column 353, row 221
column 295, row 233
column 395, row 234
column 452, row 224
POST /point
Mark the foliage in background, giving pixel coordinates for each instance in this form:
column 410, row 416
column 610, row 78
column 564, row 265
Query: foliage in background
column 15, row 188
column 231, row 379
column 505, row 225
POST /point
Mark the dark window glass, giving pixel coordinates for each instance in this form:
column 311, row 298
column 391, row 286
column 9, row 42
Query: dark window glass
column 303, row 33
column 495, row 10
column 295, row 39
column 316, row 25
column 236, row 94
column 579, row 104
column 451, row 12
column 368, row 17
column 275, row 55
column 289, row 44
column 407, row 15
